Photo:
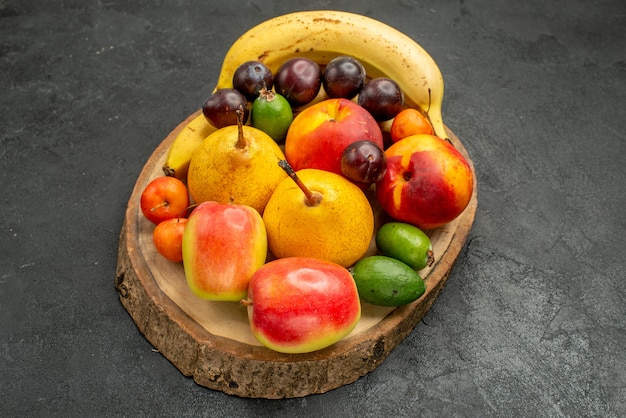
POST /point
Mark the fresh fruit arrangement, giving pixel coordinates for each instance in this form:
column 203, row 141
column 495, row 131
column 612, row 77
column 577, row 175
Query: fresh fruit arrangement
column 311, row 179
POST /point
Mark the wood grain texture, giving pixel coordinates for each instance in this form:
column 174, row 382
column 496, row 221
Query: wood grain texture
column 212, row 342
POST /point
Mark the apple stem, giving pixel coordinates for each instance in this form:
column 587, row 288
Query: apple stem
column 246, row 302
column 241, row 138
column 160, row 205
column 311, row 198
column 187, row 210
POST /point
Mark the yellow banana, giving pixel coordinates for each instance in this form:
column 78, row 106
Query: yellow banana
column 325, row 34
column 322, row 35
column 184, row 145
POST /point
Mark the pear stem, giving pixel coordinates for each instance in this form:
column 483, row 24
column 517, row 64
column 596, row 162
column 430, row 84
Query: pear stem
column 311, row 198
column 241, row 138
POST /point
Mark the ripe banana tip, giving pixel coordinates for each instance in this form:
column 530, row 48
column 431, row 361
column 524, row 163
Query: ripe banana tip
column 168, row 171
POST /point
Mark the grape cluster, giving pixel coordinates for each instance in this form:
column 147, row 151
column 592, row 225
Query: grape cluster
column 298, row 81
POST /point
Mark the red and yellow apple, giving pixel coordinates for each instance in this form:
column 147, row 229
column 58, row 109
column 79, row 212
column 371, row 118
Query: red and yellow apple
column 428, row 182
column 301, row 304
column 223, row 245
column 319, row 134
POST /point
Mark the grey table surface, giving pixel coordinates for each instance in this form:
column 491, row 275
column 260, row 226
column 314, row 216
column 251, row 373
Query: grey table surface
column 532, row 321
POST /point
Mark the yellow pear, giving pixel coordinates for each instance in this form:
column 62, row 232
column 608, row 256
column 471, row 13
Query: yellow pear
column 236, row 164
column 319, row 214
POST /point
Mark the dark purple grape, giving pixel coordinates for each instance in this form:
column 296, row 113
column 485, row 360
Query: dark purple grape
column 298, row 80
column 220, row 109
column 250, row 77
column 382, row 97
column 343, row 77
column 364, row 162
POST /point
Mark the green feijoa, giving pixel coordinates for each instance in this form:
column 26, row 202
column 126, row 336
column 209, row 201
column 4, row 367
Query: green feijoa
column 272, row 114
column 406, row 243
column 385, row 281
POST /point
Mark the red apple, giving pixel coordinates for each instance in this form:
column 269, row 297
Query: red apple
column 223, row 245
column 319, row 134
column 164, row 198
column 168, row 238
column 300, row 304
column 428, row 182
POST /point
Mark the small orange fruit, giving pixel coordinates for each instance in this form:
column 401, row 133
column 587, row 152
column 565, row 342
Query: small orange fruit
column 409, row 122
column 168, row 238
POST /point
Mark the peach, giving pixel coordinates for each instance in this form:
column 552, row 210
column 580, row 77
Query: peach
column 428, row 182
column 319, row 134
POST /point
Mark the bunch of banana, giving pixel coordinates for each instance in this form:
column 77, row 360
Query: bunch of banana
column 322, row 35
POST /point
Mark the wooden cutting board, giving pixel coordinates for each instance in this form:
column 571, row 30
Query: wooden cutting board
column 212, row 341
